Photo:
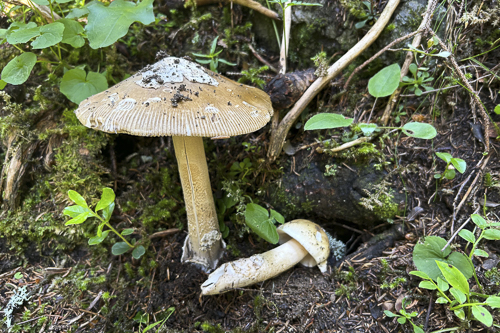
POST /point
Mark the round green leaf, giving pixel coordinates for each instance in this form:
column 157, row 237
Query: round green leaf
column 385, row 82
column 77, row 85
column 420, row 130
column 367, row 129
column 20, row 33
column 497, row 109
column 120, row 248
column 19, row 69
column 326, row 121
column 138, row 252
column 257, row 218
column 445, row 157
column 449, row 174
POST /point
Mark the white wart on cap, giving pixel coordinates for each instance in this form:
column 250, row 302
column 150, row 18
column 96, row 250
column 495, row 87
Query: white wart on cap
column 176, row 97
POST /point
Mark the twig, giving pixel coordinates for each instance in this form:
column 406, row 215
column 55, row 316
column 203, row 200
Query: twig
column 287, row 22
column 458, row 230
column 262, row 60
column 246, row 3
column 347, row 145
column 408, row 60
column 278, row 136
column 164, row 233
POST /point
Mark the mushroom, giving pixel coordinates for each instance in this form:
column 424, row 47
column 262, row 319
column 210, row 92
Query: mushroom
column 180, row 98
column 301, row 241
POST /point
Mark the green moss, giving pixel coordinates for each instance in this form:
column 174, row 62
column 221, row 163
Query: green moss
column 389, row 208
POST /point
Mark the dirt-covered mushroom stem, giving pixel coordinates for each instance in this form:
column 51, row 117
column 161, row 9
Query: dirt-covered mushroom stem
column 302, row 241
column 203, row 246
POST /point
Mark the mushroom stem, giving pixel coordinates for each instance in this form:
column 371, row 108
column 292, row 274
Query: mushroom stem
column 203, row 244
column 257, row 268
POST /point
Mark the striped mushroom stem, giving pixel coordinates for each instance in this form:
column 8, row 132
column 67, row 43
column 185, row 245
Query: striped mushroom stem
column 301, row 241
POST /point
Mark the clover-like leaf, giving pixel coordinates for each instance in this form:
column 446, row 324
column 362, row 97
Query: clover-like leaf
column 78, row 85
column 73, row 33
column 107, row 24
column 19, row 69
column 50, row 35
column 22, row 32
column 138, row 252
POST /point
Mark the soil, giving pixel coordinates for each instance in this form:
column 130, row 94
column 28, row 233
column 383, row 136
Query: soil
column 76, row 288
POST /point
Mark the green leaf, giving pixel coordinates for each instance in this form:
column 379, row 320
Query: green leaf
column 50, row 35
column 385, row 82
column 460, row 314
column 493, row 301
column 19, row 69
column 442, row 300
column 73, row 33
column 459, row 164
column 427, row 285
column 203, row 61
column 419, row 130
column 417, row 329
column 41, row 2
column 107, row 197
column 119, row 248
column 107, row 24
column 454, row 277
column 497, row 109
column 413, row 69
column 367, row 129
column 78, row 85
column 214, row 45
column 326, row 121
column 479, row 221
column 77, row 198
column 492, row 234
column 444, row 54
column 425, row 255
column 458, row 295
column 63, row 1
column 277, row 216
column 480, row 253
column 79, row 219
column 224, row 61
column 257, row 218
column 483, row 315
column 18, row 275
column 74, row 211
column 445, row 157
column 420, row 274
column 2, row 84
column 390, row 314
column 449, row 174
column 442, row 284
column 98, row 239
column 401, row 320
column 108, row 211
column 127, row 232
column 361, row 24
column 138, row 252
column 22, row 32
column 467, row 235
column 77, row 13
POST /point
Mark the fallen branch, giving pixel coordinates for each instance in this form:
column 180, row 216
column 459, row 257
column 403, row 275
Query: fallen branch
column 278, row 136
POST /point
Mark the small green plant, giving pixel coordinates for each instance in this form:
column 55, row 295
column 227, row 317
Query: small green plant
column 213, row 57
column 252, row 76
column 80, row 212
column 398, row 114
column 18, row 275
column 45, row 39
column 262, row 222
column 330, row 170
column 452, row 164
column 441, row 273
column 404, row 316
column 143, row 318
column 419, row 80
column 366, row 16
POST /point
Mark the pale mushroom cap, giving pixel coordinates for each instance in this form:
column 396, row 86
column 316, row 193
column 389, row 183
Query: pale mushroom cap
column 176, row 97
column 312, row 237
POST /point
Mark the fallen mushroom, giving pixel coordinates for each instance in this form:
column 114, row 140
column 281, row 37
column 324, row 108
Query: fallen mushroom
column 180, row 98
column 301, row 241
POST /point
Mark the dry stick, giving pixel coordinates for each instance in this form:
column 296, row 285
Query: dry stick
column 408, row 60
column 486, row 119
column 348, row 145
column 246, row 3
column 468, row 192
column 278, row 136
column 262, row 60
column 458, row 230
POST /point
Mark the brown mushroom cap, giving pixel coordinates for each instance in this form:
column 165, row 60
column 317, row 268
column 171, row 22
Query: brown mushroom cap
column 176, row 97
column 312, row 237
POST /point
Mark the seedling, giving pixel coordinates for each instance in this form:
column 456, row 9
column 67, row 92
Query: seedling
column 454, row 271
column 368, row 15
column 452, row 164
column 419, row 80
column 262, row 222
column 143, row 318
column 213, row 57
column 80, row 212
column 405, row 316
column 252, row 75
